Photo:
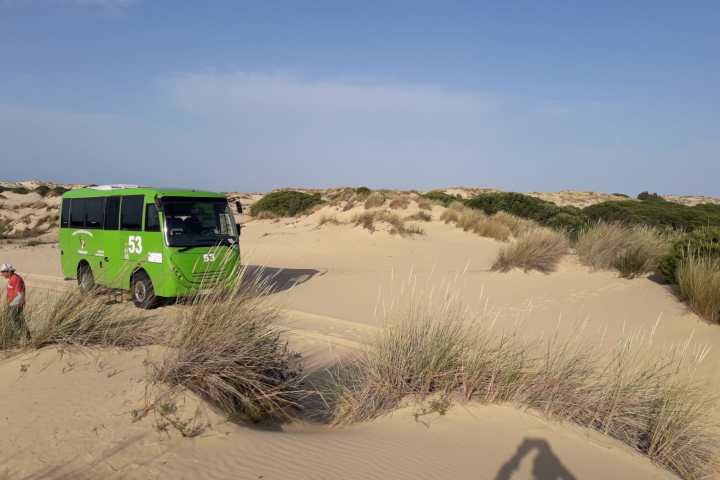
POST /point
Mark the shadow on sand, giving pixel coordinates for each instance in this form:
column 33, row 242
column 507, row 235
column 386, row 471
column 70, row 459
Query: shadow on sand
column 546, row 466
column 279, row 279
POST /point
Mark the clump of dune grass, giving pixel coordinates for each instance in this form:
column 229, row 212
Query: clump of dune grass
column 631, row 250
column 397, row 225
column 400, row 202
column 226, row 349
column 76, row 318
column 699, row 284
column 328, row 220
column 538, row 249
column 420, row 216
column 645, row 397
column 515, row 224
column 375, row 200
column 450, row 216
column 500, row 226
column 423, row 204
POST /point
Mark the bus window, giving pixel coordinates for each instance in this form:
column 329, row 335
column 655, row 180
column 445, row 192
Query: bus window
column 77, row 213
column 152, row 221
column 65, row 214
column 95, row 212
column 112, row 213
column 131, row 210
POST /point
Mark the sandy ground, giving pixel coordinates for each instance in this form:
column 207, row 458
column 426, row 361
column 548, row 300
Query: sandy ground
column 71, row 410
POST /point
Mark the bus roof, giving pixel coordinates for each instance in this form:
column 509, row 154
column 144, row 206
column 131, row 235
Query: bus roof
column 110, row 190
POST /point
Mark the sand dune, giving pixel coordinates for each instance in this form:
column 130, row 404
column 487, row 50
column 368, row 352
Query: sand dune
column 69, row 412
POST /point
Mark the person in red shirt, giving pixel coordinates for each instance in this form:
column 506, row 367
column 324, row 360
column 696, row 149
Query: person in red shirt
column 15, row 298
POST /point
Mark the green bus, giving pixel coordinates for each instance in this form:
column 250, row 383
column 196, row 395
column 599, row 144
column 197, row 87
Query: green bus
column 157, row 243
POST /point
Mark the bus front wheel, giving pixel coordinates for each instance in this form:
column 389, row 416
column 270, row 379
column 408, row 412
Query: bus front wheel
column 142, row 290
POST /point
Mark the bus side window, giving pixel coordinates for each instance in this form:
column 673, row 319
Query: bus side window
column 131, row 212
column 65, row 213
column 77, row 213
column 95, row 212
column 152, row 221
column 112, row 213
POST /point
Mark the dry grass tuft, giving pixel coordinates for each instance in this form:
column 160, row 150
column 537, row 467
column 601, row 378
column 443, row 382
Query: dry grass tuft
column 397, row 225
column 400, row 203
column 630, row 250
column 631, row 392
column 538, row 249
column 328, row 220
column 699, row 284
column 75, row 318
column 226, row 350
column 423, row 204
column 420, row 216
column 375, row 200
column 500, row 226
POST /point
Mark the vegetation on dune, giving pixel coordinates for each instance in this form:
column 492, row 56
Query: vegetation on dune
column 46, row 191
column 537, row 249
column 286, row 203
column 375, row 200
column 701, row 242
column 631, row 251
column 368, row 219
column 698, row 280
column 655, row 212
column 647, row 400
column 226, row 349
column 15, row 189
column 524, row 206
column 440, row 197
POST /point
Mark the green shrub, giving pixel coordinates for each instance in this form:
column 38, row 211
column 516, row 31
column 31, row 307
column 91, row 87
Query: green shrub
column 442, row 198
column 619, row 195
column 655, row 212
column 545, row 213
column 286, row 203
column 18, row 190
column 650, row 196
column 703, row 242
column 362, row 191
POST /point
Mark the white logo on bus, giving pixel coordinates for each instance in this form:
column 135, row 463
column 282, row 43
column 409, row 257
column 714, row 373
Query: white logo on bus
column 135, row 244
column 209, row 257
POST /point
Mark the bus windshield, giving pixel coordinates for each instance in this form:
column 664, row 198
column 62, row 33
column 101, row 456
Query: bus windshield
column 198, row 222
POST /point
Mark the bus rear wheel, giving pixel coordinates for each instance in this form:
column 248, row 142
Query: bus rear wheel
column 143, row 293
column 85, row 278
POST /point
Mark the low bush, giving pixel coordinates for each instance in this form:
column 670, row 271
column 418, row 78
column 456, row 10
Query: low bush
column 539, row 249
column 701, row 242
column 285, row 203
column 647, row 399
column 698, row 279
column 424, row 204
column 19, row 190
column 630, row 250
column 442, row 198
column 543, row 212
column 655, row 213
column 362, row 191
column 328, row 220
column 226, row 350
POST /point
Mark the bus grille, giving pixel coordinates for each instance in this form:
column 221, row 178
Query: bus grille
column 207, row 278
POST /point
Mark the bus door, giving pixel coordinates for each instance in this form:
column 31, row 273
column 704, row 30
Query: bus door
column 112, row 249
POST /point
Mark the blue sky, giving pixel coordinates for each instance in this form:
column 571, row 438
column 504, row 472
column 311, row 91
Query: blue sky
column 232, row 95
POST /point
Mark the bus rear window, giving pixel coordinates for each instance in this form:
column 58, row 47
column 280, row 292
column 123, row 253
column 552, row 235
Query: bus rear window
column 131, row 211
column 65, row 213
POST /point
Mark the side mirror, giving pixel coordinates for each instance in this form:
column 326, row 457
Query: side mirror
column 239, row 208
column 238, row 227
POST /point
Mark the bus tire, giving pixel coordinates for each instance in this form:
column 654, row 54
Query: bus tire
column 142, row 291
column 85, row 278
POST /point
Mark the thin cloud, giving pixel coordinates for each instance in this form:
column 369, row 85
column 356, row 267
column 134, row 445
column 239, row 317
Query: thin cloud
column 232, row 92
